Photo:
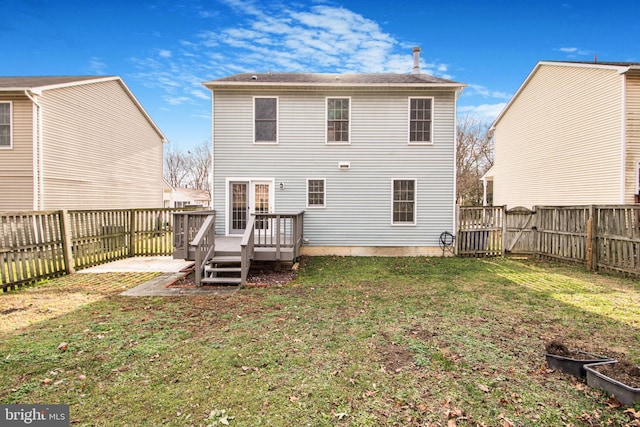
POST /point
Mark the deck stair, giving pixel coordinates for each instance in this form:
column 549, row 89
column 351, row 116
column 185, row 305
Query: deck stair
column 223, row 269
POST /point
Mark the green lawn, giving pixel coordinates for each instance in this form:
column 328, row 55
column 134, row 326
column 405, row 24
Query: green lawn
column 353, row 342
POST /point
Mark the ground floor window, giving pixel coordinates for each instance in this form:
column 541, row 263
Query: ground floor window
column 315, row 193
column 404, row 202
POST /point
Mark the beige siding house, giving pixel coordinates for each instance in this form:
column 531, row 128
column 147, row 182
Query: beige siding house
column 569, row 136
column 77, row 143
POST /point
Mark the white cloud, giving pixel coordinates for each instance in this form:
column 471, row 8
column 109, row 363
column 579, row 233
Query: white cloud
column 292, row 37
column 573, row 52
column 176, row 100
column 96, row 66
column 475, row 89
column 486, row 112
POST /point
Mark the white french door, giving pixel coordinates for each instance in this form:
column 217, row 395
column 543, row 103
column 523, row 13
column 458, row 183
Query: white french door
column 246, row 197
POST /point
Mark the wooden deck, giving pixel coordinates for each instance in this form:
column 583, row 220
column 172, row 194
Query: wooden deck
column 230, row 245
column 227, row 259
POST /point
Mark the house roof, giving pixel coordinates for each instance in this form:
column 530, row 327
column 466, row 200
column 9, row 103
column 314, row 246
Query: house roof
column 194, row 194
column 21, row 83
column 37, row 84
column 332, row 80
column 620, row 67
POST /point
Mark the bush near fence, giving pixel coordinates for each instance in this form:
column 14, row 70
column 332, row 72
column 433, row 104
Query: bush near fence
column 38, row 245
column 601, row 237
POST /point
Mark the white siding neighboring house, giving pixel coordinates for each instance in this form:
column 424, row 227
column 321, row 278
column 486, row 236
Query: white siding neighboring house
column 570, row 136
column 369, row 158
column 185, row 197
column 76, row 142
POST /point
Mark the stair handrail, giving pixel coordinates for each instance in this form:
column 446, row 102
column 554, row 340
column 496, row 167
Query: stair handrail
column 247, row 249
column 204, row 245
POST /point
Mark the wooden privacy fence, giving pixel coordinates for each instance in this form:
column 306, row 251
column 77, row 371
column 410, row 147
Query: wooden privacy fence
column 602, row 237
column 40, row 245
column 480, row 231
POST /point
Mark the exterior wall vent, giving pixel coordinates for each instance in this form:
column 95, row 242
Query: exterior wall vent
column 344, row 165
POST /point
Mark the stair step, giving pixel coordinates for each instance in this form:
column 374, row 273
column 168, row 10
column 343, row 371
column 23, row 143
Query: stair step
column 223, row 269
column 226, row 259
column 218, row 280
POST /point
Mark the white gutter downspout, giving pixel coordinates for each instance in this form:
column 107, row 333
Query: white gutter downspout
column 624, row 139
column 38, row 180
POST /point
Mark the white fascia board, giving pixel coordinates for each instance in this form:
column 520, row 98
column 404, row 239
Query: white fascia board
column 270, row 85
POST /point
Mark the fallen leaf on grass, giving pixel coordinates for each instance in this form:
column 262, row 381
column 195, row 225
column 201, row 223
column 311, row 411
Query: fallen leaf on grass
column 483, row 388
column 63, row 346
column 613, row 403
column 633, row 413
column 340, row 415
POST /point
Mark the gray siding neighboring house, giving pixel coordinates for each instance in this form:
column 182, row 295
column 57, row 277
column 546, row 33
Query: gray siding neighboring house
column 76, row 142
column 570, row 136
column 339, row 148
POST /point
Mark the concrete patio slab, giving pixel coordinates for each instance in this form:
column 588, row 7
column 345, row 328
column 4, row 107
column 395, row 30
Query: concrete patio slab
column 171, row 269
column 160, row 264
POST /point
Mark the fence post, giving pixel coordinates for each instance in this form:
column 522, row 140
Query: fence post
column 67, row 242
column 592, row 239
column 536, row 233
column 504, row 229
column 132, row 233
column 456, row 230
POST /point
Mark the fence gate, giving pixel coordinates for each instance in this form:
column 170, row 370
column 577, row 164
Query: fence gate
column 480, row 231
column 519, row 236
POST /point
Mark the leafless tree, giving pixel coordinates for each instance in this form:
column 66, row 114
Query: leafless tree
column 199, row 166
column 474, row 156
column 189, row 169
column 175, row 167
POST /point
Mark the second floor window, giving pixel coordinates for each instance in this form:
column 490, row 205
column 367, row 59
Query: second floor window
column 266, row 120
column 5, row 125
column 338, row 120
column 420, row 120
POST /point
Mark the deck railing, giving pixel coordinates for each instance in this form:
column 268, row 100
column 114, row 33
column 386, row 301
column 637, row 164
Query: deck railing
column 186, row 226
column 247, row 246
column 204, row 245
column 280, row 231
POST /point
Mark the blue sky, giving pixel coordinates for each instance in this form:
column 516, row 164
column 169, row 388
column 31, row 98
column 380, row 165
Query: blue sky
column 165, row 49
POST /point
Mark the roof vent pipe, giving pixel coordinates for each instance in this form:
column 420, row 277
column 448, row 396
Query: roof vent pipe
column 416, row 60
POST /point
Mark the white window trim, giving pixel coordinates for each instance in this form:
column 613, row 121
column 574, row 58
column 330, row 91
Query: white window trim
column 433, row 104
column 326, row 121
column 276, row 142
column 324, row 198
column 415, row 203
column 10, row 146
